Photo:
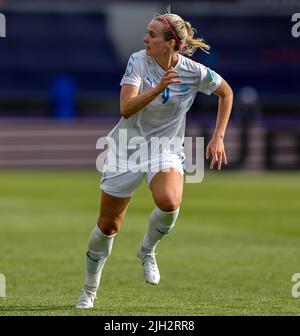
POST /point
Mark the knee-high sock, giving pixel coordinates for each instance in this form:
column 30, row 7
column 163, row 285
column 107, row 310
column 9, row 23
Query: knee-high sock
column 160, row 224
column 99, row 248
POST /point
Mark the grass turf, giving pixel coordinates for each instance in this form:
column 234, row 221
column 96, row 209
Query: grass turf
column 233, row 251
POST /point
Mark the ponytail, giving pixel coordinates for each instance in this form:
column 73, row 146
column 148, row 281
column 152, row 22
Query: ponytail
column 190, row 44
column 186, row 43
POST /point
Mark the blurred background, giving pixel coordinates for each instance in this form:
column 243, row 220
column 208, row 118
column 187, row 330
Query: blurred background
column 61, row 63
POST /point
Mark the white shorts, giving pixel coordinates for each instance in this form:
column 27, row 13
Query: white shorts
column 125, row 184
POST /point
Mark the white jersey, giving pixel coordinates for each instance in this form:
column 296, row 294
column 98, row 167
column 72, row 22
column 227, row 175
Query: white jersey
column 165, row 115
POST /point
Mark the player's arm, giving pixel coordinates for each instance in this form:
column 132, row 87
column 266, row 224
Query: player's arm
column 131, row 101
column 215, row 148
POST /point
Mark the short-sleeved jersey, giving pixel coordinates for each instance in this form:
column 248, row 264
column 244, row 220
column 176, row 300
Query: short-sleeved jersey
column 165, row 115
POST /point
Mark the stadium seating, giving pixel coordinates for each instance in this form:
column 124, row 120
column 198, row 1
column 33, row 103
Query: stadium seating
column 42, row 46
column 258, row 51
column 253, row 50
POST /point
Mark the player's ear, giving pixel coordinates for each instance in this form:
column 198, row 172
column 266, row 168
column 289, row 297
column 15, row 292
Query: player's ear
column 171, row 43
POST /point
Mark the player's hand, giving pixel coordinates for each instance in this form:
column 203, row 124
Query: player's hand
column 216, row 150
column 170, row 77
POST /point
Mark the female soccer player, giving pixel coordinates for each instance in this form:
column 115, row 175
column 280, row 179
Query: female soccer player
column 158, row 88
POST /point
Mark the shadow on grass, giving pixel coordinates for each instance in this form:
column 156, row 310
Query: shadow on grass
column 37, row 308
column 61, row 309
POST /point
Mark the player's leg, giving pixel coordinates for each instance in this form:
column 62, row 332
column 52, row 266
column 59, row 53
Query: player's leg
column 112, row 212
column 167, row 189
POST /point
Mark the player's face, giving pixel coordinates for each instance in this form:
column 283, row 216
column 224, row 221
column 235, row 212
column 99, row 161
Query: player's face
column 155, row 43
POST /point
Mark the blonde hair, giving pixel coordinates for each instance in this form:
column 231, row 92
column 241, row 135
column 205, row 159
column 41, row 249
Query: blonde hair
column 185, row 34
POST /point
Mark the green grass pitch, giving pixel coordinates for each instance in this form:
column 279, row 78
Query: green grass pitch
column 233, row 251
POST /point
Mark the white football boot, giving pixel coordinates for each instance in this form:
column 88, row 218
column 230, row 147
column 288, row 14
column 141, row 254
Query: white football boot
column 86, row 298
column 150, row 268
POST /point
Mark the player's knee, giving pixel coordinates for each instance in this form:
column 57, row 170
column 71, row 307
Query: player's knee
column 168, row 207
column 168, row 203
column 108, row 226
